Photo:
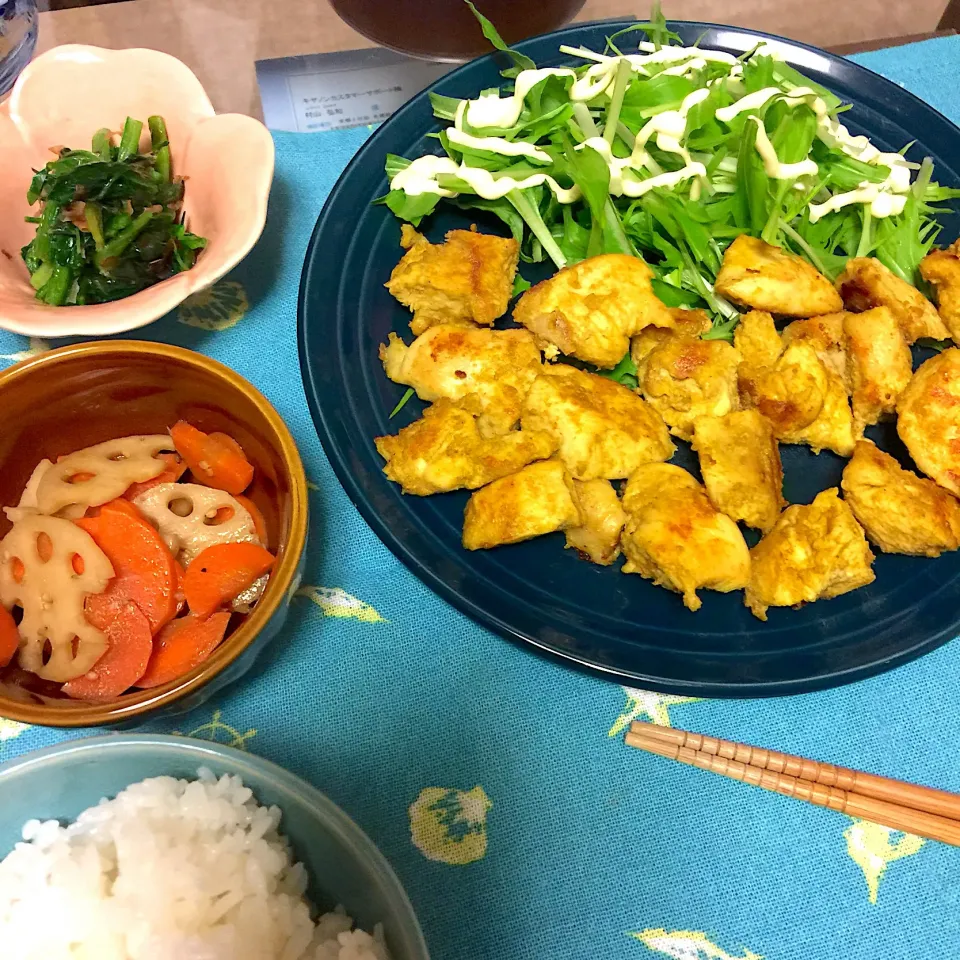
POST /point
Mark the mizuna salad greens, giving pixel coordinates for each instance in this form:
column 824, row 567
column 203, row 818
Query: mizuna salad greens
column 669, row 154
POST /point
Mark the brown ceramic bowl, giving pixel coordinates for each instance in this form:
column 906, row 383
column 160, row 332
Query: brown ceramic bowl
column 80, row 395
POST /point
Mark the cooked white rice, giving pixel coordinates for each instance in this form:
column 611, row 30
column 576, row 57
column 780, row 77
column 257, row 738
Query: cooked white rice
column 169, row 870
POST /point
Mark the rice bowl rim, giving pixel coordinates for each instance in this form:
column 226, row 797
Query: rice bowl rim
column 251, row 769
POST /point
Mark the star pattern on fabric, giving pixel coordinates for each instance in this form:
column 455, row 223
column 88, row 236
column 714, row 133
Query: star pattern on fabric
column 35, row 347
column 216, row 731
column 10, row 729
column 645, row 703
column 873, row 848
column 335, row 602
column 687, row 945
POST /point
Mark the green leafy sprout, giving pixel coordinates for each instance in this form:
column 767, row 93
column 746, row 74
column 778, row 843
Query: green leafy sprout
column 683, row 229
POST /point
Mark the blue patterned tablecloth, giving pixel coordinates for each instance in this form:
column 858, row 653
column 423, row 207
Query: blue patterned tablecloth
column 494, row 781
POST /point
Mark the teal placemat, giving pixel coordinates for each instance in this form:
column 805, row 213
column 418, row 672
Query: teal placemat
column 494, row 781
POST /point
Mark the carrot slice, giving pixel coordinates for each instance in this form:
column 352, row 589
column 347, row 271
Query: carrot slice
column 127, row 655
column 214, row 459
column 9, row 637
column 229, row 442
column 259, row 523
column 175, row 468
column 221, row 572
column 124, row 507
column 181, row 645
column 144, row 567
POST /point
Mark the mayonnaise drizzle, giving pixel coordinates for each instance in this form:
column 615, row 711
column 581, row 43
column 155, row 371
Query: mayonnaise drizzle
column 493, row 110
column 506, row 148
column 421, row 177
column 637, row 174
column 753, row 101
column 629, row 186
column 771, row 162
column 882, row 202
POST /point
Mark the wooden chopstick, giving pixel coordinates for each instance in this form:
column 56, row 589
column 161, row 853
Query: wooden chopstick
column 934, row 814
column 853, row 781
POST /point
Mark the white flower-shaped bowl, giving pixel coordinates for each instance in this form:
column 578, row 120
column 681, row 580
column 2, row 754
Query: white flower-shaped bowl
column 61, row 99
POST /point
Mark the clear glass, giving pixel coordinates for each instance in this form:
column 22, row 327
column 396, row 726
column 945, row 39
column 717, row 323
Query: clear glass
column 18, row 37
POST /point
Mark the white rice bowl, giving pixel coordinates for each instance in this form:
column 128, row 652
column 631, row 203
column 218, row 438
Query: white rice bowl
column 168, row 870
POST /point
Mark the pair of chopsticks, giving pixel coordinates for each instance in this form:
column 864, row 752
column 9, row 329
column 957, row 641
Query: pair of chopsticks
column 934, row 814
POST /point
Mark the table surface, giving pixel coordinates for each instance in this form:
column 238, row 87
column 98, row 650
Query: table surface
column 220, row 40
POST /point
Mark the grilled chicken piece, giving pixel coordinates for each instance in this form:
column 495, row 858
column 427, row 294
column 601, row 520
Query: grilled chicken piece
column 814, row 552
column 444, row 450
column 466, row 279
column 757, row 275
column 757, row 340
column 683, row 379
column 942, row 269
column 454, row 361
column 901, row 512
column 805, row 402
column 598, row 537
column 592, row 309
column 866, row 283
column 604, row 429
column 928, row 418
column 880, row 363
column 825, row 335
column 687, row 323
column 675, row 537
column 536, row 500
column 740, row 463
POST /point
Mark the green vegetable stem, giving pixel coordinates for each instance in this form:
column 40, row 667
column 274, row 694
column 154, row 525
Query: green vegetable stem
column 161, row 146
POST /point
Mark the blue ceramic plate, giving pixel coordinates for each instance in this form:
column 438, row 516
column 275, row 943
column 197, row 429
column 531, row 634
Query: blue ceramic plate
column 538, row 592
column 60, row 782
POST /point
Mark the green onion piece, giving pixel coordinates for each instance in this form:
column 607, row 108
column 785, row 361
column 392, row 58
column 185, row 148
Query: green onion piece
column 115, row 247
column 722, row 329
column 520, row 61
column 752, row 180
column 401, row 404
column 130, row 140
column 937, row 345
column 624, row 373
column 161, row 146
column 444, row 108
column 102, row 144
column 36, row 186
